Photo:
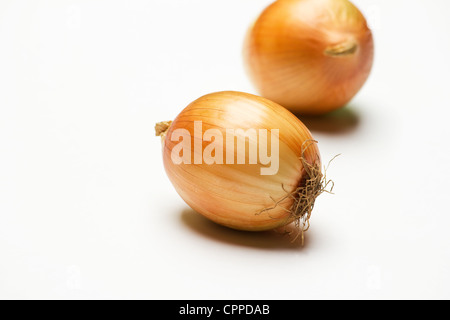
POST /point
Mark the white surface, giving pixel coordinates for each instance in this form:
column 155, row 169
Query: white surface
column 86, row 209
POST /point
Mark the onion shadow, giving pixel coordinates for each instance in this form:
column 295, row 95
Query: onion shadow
column 342, row 121
column 268, row 240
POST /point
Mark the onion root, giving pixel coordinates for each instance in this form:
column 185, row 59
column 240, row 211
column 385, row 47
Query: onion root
column 312, row 186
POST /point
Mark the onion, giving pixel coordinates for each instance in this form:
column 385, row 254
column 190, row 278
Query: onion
column 310, row 56
column 243, row 162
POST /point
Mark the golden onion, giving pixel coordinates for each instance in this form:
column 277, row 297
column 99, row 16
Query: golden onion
column 310, row 56
column 243, row 161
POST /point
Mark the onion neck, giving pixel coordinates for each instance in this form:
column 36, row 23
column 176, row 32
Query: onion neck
column 342, row 49
column 161, row 129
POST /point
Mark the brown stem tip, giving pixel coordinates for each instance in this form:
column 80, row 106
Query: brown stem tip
column 342, row 49
column 161, row 128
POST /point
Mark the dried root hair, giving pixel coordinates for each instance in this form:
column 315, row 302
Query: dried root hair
column 304, row 196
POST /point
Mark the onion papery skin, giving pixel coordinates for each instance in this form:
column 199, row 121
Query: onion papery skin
column 310, row 56
column 234, row 195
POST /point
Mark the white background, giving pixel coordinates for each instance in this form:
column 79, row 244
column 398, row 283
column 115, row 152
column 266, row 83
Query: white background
column 87, row 211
